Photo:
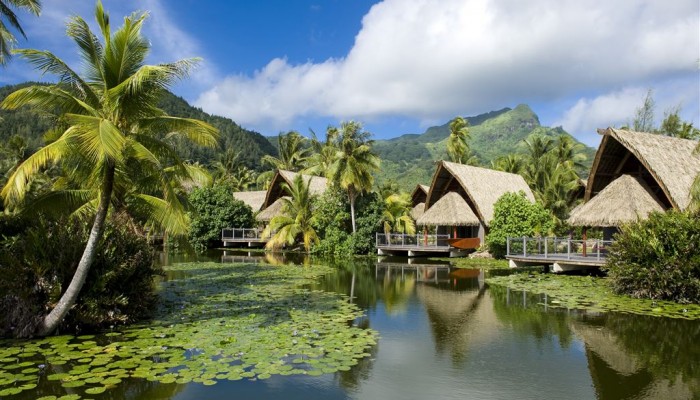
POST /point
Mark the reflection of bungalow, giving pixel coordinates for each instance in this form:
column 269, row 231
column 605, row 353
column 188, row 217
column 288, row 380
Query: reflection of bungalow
column 418, row 197
column 272, row 205
column 634, row 174
column 461, row 198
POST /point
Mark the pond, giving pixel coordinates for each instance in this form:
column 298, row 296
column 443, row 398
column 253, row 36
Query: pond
column 440, row 333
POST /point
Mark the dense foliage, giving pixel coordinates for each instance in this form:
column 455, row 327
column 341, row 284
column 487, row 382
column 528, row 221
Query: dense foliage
column 213, row 209
column 515, row 216
column 333, row 223
column 658, row 258
column 38, row 258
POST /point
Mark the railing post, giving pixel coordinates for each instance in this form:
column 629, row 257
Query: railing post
column 598, row 255
column 568, row 249
column 507, row 246
column 524, row 247
column 545, row 247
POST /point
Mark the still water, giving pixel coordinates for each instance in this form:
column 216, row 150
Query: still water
column 444, row 334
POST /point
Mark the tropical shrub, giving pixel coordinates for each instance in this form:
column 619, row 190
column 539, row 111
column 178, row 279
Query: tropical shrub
column 333, row 223
column 514, row 216
column 658, row 258
column 213, row 209
column 39, row 261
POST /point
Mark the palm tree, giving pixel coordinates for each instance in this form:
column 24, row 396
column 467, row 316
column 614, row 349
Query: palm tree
column 115, row 134
column 293, row 152
column 297, row 219
column 354, row 163
column 396, row 215
column 7, row 16
column 512, row 163
column 320, row 162
column 457, row 147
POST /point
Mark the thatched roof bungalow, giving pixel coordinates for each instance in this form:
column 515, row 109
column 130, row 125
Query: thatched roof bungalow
column 663, row 169
column 272, row 211
column 418, row 197
column 477, row 189
column 317, row 186
column 253, row 199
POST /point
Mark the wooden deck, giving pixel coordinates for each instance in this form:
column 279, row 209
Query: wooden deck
column 242, row 236
column 563, row 254
column 420, row 244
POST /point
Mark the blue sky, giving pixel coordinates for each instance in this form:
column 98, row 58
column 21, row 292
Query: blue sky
column 400, row 66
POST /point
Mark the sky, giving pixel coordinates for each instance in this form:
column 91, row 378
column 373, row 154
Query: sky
column 401, row 66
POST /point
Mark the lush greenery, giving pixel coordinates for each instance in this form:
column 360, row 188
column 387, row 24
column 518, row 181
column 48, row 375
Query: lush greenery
column 216, row 322
column 658, row 258
column 515, row 216
column 333, row 223
column 38, row 257
column 296, row 223
column 590, row 293
column 212, row 209
column 111, row 141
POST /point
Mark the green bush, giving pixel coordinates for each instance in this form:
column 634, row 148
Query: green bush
column 213, row 209
column 658, row 258
column 515, row 216
column 39, row 261
column 334, row 227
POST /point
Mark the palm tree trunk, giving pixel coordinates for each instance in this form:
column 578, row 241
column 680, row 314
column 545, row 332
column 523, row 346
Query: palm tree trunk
column 70, row 296
column 351, row 195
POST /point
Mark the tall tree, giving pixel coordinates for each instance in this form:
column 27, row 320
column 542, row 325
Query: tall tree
column 115, row 134
column 457, row 147
column 644, row 115
column 396, row 215
column 8, row 17
column 354, row 163
column 320, row 162
column 672, row 125
column 293, row 152
column 297, row 218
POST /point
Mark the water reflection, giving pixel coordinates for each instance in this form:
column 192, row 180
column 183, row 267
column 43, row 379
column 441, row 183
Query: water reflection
column 446, row 334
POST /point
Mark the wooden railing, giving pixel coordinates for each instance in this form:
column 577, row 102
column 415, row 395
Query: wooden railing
column 557, row 248
column 411, row 241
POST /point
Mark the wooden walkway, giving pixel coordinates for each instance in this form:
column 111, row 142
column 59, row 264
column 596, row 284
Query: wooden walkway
column 418, row 245
column 247, row 236
column 563, row 254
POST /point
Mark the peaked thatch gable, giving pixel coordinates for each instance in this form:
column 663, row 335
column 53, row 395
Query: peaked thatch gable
column 417, row 211
column 626, row 199
column 419, row 195
column 666, row 164
column 317, row 185
column 450, row 210
column 480, row 187
column 253, row 199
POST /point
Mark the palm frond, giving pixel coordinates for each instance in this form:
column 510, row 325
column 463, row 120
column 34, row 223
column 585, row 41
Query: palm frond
column 162, row 214
column 197, row 131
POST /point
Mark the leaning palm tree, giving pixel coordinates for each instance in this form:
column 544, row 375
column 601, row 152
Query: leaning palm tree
column 297, row 218
column 8, row 17
column 457, row 147
column 354, row 163
column 114, row 136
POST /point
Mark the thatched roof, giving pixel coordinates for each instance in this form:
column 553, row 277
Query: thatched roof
column 253, row 199
column 626, row 199
column 480, row 187
column 419, row 195
column 417, row 211
column 666, row 164
column 272, row 211
column 317, row 185
column 450, row 210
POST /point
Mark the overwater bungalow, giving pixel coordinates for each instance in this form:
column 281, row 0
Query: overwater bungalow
column 418, row 197
column 268, row 204
column 461, row 199
column 633, row 174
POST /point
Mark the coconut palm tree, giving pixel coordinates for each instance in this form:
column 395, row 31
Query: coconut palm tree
column 396, row 215
column 297, row 218
column 8, row 17
column 354, row 163
column 320, row 162
column 114, row 134
column 293, row 153
column 513, row 163
column 457, row 147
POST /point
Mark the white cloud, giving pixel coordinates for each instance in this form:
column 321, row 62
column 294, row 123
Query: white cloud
column 428, row 60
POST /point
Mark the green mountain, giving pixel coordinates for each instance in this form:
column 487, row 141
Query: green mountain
column 410, row 159
column 32, row 124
